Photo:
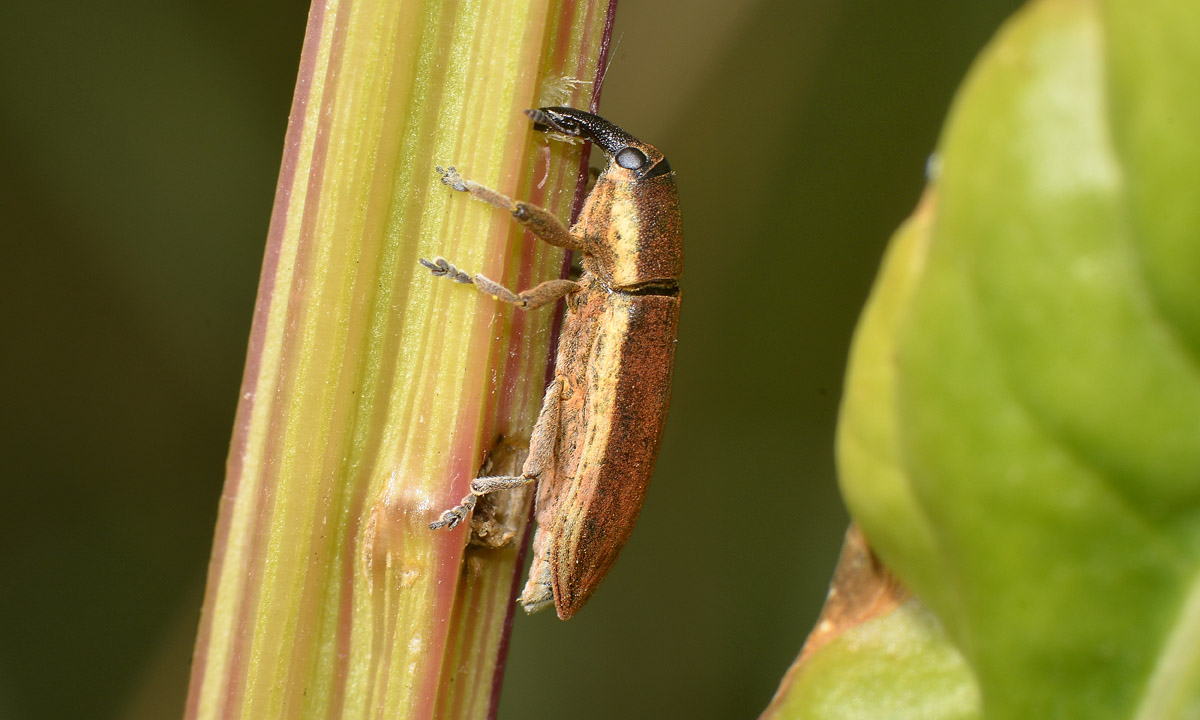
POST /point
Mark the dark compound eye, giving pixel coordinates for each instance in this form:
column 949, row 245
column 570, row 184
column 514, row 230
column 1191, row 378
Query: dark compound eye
column 631, row 158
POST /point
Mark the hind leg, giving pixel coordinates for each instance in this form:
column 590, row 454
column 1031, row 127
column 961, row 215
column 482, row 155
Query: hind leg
column 541, row 454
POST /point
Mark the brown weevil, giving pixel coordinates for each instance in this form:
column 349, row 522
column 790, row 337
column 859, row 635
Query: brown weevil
column 593, row 448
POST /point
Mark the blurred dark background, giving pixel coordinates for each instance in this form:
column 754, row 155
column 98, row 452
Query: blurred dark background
column 139, row 146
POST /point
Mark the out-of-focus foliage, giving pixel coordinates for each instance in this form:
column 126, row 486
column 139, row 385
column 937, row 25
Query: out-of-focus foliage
column 875, row 652
column 1019, row 438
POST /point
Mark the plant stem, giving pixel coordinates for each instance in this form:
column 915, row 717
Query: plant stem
column 372, row 391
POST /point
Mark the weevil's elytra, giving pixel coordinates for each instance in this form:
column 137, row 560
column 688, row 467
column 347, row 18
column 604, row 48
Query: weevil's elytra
column 593, row 448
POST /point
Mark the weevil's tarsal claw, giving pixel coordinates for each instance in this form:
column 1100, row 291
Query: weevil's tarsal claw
column 441, row 268
column 451, row 177
column 448, row 520
column 455, row 515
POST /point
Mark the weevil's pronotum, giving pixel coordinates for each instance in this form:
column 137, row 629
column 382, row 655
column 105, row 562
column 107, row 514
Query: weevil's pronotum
column 593, row 448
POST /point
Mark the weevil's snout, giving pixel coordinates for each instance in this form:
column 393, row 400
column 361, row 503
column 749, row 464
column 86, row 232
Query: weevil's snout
column 641, row 159
column 560, row 121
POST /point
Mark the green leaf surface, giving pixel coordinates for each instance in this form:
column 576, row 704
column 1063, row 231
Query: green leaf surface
column 899, row 666
column 876, row 652
column 1020, row 438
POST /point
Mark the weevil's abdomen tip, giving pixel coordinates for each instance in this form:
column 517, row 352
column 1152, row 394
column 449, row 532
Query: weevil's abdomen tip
column 568, row 601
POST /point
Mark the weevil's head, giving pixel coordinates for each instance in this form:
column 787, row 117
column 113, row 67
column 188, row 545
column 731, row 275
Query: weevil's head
column 630, row 159
column 629, row 224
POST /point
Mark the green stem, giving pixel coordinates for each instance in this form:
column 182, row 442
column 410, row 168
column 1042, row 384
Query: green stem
column 373, row 391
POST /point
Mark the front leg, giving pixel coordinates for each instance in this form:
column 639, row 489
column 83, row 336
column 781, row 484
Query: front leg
column 536, row 220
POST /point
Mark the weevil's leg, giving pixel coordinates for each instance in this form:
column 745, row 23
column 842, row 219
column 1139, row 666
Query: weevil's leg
column 538, row 221
column 545, row 432
column 543, row 441
column 534, row 297
column 479, row 486
column 543, row 445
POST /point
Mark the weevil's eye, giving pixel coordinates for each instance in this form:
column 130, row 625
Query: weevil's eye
column 631, row 158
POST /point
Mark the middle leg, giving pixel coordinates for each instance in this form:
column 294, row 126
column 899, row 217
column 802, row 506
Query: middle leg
column 534, row 297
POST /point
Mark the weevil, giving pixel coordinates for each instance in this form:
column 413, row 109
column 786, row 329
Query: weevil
column 593, row 448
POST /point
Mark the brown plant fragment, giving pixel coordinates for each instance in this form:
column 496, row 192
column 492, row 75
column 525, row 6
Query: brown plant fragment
column 862, row 590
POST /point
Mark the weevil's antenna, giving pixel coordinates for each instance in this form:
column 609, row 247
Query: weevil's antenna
column 612, row 55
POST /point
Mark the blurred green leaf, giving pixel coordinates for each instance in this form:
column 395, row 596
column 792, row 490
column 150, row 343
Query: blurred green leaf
column 1020, row 437
column 876, row 652
column 899, row 666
